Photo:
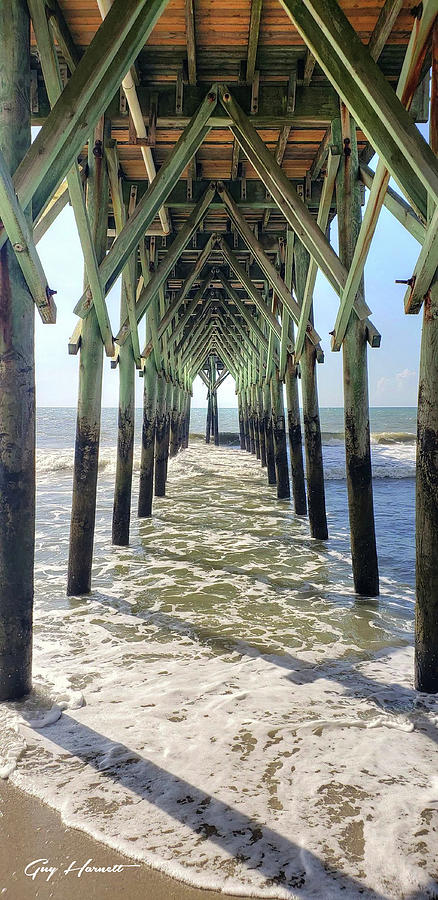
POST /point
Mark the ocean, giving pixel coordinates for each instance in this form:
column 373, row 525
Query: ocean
column 222, row 706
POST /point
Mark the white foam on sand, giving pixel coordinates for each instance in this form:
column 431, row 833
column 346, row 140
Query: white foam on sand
column 221, row 709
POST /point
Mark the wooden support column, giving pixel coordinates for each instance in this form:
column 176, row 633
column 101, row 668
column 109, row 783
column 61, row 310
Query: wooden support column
column 246, row 421
column 175, row 421
column 256, row 421
column 269, row 440
column 208, row 426
column 145, row 493
column 356, row 409
column 215, row 419
column 17, row 380
column 241, row 421
column 252, row 447
column 279, row 436
column 160, row 438
column 169, row 394
column 90, row 391
column 426, row 612
column 290, row 370
column 312, row 425
column 187, row 427
column 125, row 437
column 262, row 435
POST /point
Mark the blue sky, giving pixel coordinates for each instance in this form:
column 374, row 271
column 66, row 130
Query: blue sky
column 393, row 369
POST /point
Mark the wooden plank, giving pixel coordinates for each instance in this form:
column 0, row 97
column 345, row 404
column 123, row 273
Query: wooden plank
column 21, row 239
column 253, row 39
column 425, row 269
column 309, row 65
column 62, row 34
column 74, row 342
column 384, row 25
column 191, row 40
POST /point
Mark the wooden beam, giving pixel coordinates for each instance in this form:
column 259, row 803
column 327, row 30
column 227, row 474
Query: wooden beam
column 425, row 269
column 369, row 97
column 52, row 78
column 252, row 291
column 243, row 310
column 74, row 342
column 288, row 201
column 62, row 34
column 20, row 236
column 280, row 150
column 309, row 65
column 253, row 39
column 405, row 89
column 235, row 160
column 384, row 25
column 312, row 270
column 86, row 95
column 191, row 39
column 396, row 205
column 155, row 196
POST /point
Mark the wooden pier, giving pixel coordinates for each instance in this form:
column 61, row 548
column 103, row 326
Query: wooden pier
column 205, row 150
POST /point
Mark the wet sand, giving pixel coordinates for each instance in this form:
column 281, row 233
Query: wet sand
column 30, row 831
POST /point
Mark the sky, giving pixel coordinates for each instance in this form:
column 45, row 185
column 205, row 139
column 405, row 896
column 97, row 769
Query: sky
column 393, row 369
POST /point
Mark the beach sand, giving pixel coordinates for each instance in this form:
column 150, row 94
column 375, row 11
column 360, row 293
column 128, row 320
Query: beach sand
column 30, row 831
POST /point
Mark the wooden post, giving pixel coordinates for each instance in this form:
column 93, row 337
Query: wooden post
column 241, row 421
column 256, row 420
column 426, row 613
column 269, row 440
column 246, row 420
column 356, row 410
column 261, row 427
column 279, row 436
column 215, row 419
column 208, row 428
column 160, row 438
column 17, row 380
column 169, row 394
column 125, row 438
column 295, row 439
column 187, row 422
column 90, row 390
column 175, row 421
column 312, row 425
column 252, row 446
column 145, row 493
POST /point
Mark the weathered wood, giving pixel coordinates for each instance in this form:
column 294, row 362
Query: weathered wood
column 356, row 410
column 269, row 441
column 208, row 424
column 295, row 439
column 362, row 86
column 89, row 398
column 169, row 393
column 397, row 206
column 241, row 421
column 279, row 436
column 191, row 40
column 125, row 440
column 17, row 380
column 160, row 438
column 146, row 481
column 262, row 434
column 253, row 38
column 384, row 25
column 21, row 239
column 312, row 424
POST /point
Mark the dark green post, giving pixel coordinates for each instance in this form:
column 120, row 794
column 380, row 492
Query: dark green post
column 262, row 436
column 295, row 439
column 125, row 438
column 160, row 438
column 279, row 436
column 208, row 428
column 17, row 380
column 175, row 428
column 356, row 409
column 269, row 440
column 312, row 425
column 146, row 483
column 241, row 421
column 86, row 462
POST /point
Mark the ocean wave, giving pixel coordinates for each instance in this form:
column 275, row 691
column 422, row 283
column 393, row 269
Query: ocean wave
column 393, row 437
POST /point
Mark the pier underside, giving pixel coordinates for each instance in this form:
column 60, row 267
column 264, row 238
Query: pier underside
column 206, row 149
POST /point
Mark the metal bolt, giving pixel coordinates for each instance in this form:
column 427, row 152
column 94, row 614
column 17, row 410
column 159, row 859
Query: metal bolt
column 409, row 281
column 18, row 248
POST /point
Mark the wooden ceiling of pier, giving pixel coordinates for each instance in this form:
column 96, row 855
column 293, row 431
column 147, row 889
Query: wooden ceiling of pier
column 222, row 29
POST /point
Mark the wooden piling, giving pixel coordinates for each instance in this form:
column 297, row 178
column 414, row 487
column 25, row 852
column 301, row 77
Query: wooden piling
column 17, row 380
column 295, row 438
column 262, row 436
column 125, row 440
column 252, row 446
column 356, row 409
column 256, row 421
column 241, row 421
column 279, row 436
column 169, row 399
column 312, row 425
column 146, row 482
column 186, row 436
column 90, row 390
column 215, row 419
column 426, row 610
column 269, row 440
column 208, row 424
column 246, row 421
column 175, row 424
column 160, row 438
